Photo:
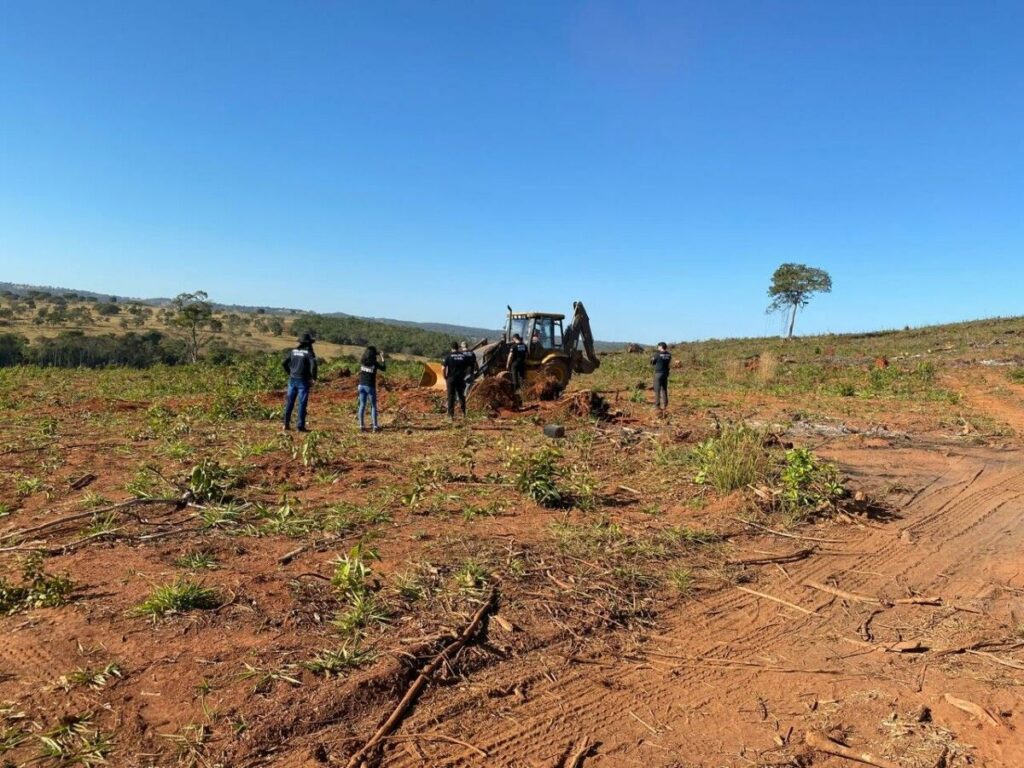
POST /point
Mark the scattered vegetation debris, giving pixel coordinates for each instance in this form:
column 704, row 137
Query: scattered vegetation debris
column 37, row 589
column 492, row 394
column 587, row 404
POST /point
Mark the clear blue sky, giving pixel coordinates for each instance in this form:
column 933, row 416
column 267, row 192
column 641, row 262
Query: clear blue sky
column 439, row 160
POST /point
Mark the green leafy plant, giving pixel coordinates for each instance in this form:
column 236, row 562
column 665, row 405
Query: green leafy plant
column 735, row 459
column 538, row 475
column 197, row 560
column 208, row 481
column 808, row 484
column 178, row 597
column 37, row 589
column 86, row 677
column 333, row 662
column 363, row 610
column 76, row 741
column 352, row 570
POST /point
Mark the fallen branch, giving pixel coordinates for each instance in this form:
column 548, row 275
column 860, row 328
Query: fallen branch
column 822, row 743
column 578, row 753
column 287, row 557
column 421, row 680
column 776, row 600
column 83, row 515
column 859, row 598
column 851, row 596
column 790, row 557
column 787, row 535
column 973, row 709
column 993, row 658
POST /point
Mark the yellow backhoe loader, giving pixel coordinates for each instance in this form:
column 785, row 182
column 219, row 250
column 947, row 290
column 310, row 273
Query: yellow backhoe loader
column 552, row 352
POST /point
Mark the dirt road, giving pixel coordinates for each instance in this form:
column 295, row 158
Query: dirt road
column 735, row 679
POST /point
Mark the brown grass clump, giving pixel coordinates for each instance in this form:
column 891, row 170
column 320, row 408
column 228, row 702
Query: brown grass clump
column 734, row 370
column 767, row 367
column 492, row 394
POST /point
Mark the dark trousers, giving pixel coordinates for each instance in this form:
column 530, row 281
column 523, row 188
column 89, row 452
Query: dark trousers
column 297, row 390
column 456, row 388
column 661, row 390
column 518, row 376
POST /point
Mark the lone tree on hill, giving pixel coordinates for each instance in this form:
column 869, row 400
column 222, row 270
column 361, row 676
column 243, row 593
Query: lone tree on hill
column 792, row 287
column 192, row 313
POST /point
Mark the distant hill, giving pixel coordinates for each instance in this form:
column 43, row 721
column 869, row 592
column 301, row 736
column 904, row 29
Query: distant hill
column 446, row 329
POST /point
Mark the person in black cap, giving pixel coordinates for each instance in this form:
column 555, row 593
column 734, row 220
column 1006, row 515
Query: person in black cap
column 661, row 362
column 516, row 363
column 372, row 362
column 454, row 367
column 300, row 365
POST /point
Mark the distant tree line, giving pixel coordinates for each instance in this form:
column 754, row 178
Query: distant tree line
column 357, row 332
column 74, row 349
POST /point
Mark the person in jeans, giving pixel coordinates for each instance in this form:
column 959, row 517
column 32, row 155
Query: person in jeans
column 661, row 362
column 300, row 365
column 371, row 362
column 454, row 366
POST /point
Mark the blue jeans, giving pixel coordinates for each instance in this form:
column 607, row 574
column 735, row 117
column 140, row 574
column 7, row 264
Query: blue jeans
column 297, row 389
column 367, row 393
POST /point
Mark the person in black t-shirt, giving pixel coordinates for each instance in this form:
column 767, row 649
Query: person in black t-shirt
column 661, row 362
column 516, row 363
column 371, row 362
column 301, row 366
column 472, row 366
column 455, row 365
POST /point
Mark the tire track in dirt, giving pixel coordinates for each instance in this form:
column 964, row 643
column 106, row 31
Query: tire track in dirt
column 967, row 513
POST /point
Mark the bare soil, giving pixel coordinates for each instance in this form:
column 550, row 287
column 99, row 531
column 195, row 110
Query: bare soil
column 588, row 657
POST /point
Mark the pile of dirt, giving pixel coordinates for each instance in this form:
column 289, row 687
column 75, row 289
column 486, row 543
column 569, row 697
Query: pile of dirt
column 585, row 404
column 492, row 394
column 544, row 387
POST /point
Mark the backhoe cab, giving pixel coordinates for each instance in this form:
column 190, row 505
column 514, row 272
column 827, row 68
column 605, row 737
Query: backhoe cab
column 554, row 352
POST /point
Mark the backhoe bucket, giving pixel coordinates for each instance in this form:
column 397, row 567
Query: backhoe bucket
column 433, row 376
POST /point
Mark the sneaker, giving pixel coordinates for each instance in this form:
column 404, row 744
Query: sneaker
column 303, row 429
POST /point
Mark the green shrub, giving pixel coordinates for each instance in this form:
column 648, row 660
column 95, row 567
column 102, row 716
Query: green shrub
column 37, row 589
column 178, row 597
column 808, row 484
column 538, row 475
column 735, row 459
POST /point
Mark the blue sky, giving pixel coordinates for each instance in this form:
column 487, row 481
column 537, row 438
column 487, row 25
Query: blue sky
column 439, row 160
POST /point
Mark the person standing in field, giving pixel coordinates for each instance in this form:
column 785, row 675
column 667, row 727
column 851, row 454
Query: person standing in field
column 516, row 363
column 371, row 362
column 454, row 368
column 472, row 366
column 661, row 362
column 301, row 367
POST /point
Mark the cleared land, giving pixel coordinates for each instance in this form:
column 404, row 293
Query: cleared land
column 185, row 585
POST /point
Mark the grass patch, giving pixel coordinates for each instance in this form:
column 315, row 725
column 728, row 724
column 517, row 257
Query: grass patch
column 76, row 741
column 180, row 596
column 334, row 662
column 735, row 459
column 37, row 589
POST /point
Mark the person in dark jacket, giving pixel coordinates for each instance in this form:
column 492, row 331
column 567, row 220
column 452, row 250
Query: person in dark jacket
column 472, row 366
column 454, row 366
column 300, row 365
column 371, row 362
column 661, row 362
column 516, row 363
